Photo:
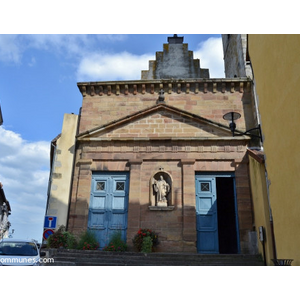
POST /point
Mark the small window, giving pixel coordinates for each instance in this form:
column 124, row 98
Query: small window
column 100, row 186
column 120, row 186
column 205, row 187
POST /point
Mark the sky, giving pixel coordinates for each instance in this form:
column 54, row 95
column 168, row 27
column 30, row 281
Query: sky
column 38, row 85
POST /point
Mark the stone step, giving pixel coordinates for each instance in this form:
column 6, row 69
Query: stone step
column 150, row 257
column 102, row 258
column 152, row 263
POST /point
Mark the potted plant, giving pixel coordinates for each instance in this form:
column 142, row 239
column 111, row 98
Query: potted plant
column 62, row 239
column 88, row 241
column 116, row 244
column 145, row 240
column 282, row 262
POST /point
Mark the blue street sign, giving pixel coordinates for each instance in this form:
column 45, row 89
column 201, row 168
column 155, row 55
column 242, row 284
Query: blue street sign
column 50, row 222
column 47, row 233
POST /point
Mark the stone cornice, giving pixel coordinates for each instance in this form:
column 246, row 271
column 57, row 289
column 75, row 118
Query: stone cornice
column 258, row 155
column 143, row 139
column 134, row 87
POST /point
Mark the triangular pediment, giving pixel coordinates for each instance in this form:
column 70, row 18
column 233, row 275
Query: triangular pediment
column 159, row 122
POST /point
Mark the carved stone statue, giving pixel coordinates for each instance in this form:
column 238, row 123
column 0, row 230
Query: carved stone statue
column 161, row 188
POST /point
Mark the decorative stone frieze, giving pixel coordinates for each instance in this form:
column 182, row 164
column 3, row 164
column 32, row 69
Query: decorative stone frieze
column 169, row 86
column 142, row 146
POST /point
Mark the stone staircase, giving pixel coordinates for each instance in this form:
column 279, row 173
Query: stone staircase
column 66, row 257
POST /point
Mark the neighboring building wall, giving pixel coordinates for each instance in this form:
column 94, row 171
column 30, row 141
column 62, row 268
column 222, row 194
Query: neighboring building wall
column 1, row 118
column 61, row 171
column 235, row 56
column 275, row 60
column 237, row 64
column 262, row 214
column 4, row 205
column 5, row 211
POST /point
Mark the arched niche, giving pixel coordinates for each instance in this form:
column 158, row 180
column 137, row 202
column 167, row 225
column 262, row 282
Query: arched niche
column 158, row 179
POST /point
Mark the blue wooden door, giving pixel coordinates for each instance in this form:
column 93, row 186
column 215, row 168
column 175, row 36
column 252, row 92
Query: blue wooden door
column 206, row 214
column 108, row 206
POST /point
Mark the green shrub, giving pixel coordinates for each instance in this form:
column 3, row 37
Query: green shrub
column 141, row 235
column 147, row 245
column 71, row 242
column 61, row 239
column 116, row 243
column 88, row 241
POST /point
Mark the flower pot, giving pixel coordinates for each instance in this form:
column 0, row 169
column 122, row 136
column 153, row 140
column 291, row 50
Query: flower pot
column 282, row 262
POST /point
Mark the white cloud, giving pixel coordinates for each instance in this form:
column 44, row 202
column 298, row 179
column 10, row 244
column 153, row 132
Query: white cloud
column 65, row 44
column 102, row 65
column 32, row 62
column 70, row 43
column 24, row 173
column 119, row 66
column 210, row 54
column 13, row 46
column 10, row 50
column 127, row 66
column 111, row 37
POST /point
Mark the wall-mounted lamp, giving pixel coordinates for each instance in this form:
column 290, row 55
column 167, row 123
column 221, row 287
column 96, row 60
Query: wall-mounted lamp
column 232, row 116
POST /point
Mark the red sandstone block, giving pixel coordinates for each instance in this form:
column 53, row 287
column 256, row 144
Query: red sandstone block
column 189, row 235
column 133, row 223
column 189, row 247
column 242, row 181
column 174, row 225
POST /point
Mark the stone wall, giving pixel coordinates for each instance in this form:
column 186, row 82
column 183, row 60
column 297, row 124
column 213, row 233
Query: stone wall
column 175, row 61
column 123, row 128
column 105, row 102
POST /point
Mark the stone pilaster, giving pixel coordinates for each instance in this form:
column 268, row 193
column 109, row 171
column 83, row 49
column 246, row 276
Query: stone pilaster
column 188, row 199
column 134, row 199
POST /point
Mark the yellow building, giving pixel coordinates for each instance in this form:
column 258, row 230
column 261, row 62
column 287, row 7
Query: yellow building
column 62, row 159
column 275, row 64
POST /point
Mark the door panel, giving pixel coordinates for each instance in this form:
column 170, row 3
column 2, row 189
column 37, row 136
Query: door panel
column 108, row 205
column 216, row 214
column 206, row 214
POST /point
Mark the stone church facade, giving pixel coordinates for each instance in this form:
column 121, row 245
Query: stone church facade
column 156, row 153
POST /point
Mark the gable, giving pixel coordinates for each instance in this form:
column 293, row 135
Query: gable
column 159, row 122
